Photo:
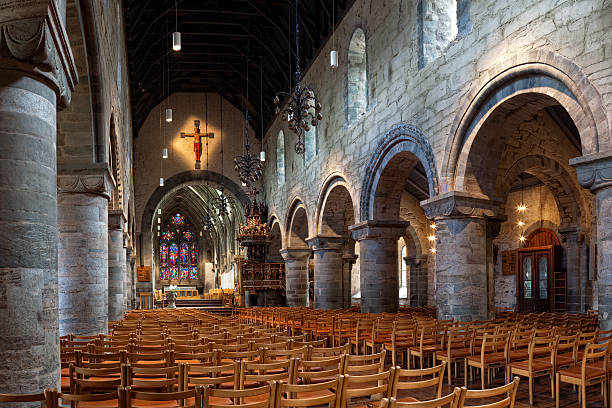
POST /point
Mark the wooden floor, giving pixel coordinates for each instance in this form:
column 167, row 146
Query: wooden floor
column 542, row 396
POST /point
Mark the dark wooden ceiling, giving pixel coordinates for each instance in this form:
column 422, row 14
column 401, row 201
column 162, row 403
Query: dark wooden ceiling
column 218, row 37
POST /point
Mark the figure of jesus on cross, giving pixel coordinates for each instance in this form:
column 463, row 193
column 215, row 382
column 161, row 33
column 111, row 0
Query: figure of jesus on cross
column 197, row 141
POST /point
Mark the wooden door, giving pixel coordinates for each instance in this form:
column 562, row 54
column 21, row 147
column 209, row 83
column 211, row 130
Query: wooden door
column 535, row 277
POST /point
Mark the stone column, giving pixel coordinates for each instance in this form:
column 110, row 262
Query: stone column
column 328, row 269
column 296, row 275
column 128, row 277
column 594, row 172
column 461, row 254
column 348, row 260
column 378, row 264
column 37, row 74
column 573, row 279
column 417, row 266
column 116, row 264
column 83, row 196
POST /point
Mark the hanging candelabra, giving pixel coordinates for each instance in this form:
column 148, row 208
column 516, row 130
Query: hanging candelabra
column 303, row 109
column 248, row 166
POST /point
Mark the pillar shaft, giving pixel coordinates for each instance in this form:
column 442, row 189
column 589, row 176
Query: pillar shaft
column 573, row 278
column 82, row 251
column 116, row 265
column 296, row 275
column 328, row 271
column 33, row 83
column 594, row 171
column 378, row 254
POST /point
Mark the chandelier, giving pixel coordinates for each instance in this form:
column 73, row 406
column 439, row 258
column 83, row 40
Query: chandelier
column 222, row 203
column 248, row 166
column 303, row 109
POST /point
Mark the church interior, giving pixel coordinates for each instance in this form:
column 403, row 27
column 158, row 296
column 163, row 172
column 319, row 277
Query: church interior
column 305, row 203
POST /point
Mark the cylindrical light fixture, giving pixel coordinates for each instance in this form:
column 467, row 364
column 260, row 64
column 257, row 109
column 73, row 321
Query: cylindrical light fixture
column 176, row 41
column 262, row 156
column 243, row 184
column 333, row 58
column 159, row 210
column 164, row 153
column 169, row 115
column 161, row 181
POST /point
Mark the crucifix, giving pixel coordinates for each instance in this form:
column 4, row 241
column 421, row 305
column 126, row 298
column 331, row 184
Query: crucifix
column 197, row 141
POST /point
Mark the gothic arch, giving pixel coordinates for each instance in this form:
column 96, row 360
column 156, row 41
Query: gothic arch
column 334, row 180
column 184, row 178
column 540, row 72
column 399, row 139
column 297, row 225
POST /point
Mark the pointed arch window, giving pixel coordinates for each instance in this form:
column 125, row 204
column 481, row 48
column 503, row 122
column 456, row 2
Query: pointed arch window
column 280, row 158
column 357, row 98
column 178, row 250
column 310, row 138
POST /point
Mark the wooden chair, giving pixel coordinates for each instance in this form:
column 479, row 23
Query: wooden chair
column 365, row 364
column 456, row 350
column 260, row 397
column 540, row 362
column 359, row 386
column 167, row 379
column 47, row 397
column 430, row 340
column 156, row 398
column 114, row 399
column 314, row 353
column 592, row 370
column 312, row 371
column 450, row 401
column 402, row 338
column 84, row 380
column 218, row 376
column 269, row 356
column 507, row 393
column 309, row 395
column 493, row 354
column 257, row 374
column 434, row 378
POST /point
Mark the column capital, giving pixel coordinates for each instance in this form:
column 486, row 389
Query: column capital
column 326, row 243
column 372, row 229
column 594, row 171
column 96, row 179
column 295, row 254
column 415, row 260
column 458, row 204
column 37, row 44
column 116, row 220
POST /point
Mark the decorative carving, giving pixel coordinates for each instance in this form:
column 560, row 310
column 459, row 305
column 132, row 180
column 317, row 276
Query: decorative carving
column 594, row 171
column 295, row 254
column 460, row 204
column 391, row 144
column 378, row 230
column 39, row 45
column 90, row 181
column 116, row 220
column 326, row 243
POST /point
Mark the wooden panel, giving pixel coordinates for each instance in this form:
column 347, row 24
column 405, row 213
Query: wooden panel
column 541, row 237
column 509, row 262
column 144, row 274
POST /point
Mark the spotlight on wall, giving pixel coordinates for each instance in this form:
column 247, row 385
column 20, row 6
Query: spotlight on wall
column 522, row 238
column 169, row 115
column 164, row 153
column 176, row 41
column 433, row 250
column 161, row 181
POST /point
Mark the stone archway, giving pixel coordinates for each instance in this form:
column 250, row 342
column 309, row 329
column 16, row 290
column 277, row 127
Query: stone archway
column 296, row 254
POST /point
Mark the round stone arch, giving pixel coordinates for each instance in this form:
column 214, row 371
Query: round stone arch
column 185, row 178
column 333, row 181
column 276, row 238
column 297, row 225
column 540, row 72
column 570, row 203
column 402, row 138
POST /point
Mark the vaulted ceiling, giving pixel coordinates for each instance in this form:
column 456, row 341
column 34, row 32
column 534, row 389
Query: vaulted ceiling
column 218, row 38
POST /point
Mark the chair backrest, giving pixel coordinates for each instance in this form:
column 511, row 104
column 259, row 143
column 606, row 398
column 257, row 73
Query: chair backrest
column 419, row 379
column 309, row 395
column 253, row 397
column 596, row 354
column 261, row 373
column 450, row 401
column 366, row 363
column 153, row 377
column 269, row 355
column 252, row 355
column 363, row 386
column 309, row 371
column 181, row 396
column 47, row 397
column 505, row 393
column 540, row 348
column 458, row 338
column 314, row 353
column 74, row 399
column 496, row 343
column 103, row 378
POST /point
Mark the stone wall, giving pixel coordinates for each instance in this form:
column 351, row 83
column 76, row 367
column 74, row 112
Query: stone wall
column 428, row 98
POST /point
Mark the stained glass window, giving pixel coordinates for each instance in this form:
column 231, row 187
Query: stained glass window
column 178, row 250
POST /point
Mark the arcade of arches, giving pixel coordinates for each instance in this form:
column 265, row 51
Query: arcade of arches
column 464, row 160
